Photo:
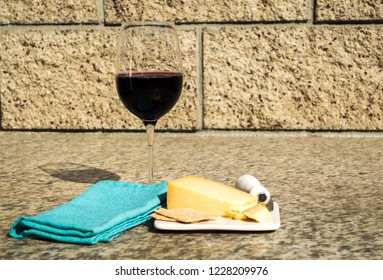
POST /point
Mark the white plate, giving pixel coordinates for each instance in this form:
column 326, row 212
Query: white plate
column 224, row 224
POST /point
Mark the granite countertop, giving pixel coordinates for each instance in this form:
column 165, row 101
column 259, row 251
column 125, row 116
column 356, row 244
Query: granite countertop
column 329, row 188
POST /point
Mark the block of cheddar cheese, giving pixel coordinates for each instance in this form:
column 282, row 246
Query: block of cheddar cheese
column 209, row 196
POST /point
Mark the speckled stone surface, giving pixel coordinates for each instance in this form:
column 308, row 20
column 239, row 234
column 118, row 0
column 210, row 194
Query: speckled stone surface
column 63, row 78
column 48, row 11
column 293, row 77
column 352, row 10
column 329, row 188
column 206, row 11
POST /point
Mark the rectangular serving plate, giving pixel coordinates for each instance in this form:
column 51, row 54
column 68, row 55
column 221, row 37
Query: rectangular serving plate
column 224, row 224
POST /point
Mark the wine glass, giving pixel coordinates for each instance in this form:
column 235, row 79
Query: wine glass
column 148, row 73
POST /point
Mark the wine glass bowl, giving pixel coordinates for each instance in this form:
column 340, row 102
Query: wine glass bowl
column 148, row 73
column 149, row 95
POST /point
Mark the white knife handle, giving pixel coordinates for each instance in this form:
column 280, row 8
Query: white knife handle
column 250, row 184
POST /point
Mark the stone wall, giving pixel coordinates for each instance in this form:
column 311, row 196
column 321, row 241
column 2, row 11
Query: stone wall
column 249, row 65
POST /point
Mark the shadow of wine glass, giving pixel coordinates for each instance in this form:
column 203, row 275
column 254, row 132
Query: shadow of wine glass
column 78, row 173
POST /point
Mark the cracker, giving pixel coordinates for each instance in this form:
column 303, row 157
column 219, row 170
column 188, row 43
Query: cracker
column 162, row 218
column 259, row 213
column 185, row 215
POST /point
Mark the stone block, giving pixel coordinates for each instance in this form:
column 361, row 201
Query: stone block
column 48, row 11
column 349, row 10
column 63, row 78
column 206, row 11
column 293, row 77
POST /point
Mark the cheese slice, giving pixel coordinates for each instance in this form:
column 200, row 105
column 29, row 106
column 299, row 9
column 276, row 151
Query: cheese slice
column 260, row 213
column 209, row 196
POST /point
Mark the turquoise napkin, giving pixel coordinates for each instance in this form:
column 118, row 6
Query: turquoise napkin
column 101, row 213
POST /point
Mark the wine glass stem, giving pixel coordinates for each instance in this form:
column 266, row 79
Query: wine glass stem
column 150, row 134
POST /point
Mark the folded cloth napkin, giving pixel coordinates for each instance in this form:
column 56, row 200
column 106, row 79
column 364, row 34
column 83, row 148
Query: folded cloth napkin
column 101, row 213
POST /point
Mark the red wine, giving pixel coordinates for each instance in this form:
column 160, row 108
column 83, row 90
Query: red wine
column 149, row 95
